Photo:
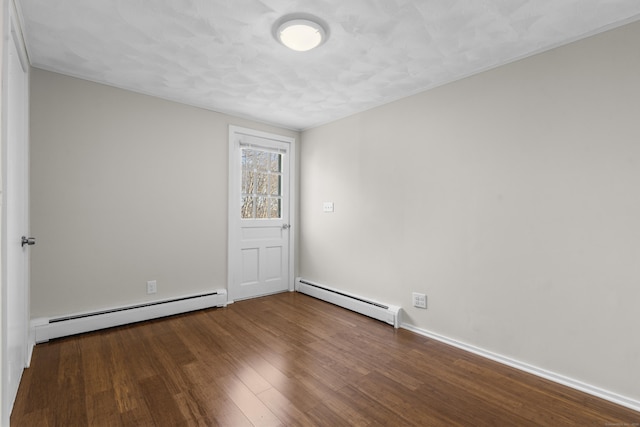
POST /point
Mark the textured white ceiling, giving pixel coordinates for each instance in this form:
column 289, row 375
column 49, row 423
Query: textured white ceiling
column 221, row 55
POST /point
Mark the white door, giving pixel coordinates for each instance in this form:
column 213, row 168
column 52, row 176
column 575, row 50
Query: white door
column 15, row 282
column 259, row 213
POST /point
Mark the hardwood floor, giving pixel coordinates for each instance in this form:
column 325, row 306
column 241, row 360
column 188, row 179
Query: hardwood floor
column 286, row 359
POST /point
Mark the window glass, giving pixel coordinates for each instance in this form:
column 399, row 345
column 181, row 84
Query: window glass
column 261, row 184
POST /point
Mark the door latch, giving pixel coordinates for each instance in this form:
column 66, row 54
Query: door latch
column 28, row 241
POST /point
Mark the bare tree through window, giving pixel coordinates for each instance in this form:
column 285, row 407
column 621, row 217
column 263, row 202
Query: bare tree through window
column 261, row 184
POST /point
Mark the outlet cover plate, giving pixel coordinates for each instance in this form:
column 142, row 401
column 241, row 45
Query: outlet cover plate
column 419, row 300
column 152, row 287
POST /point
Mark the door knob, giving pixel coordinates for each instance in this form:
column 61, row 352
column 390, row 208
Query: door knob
column 28, row 241
column 286, row 226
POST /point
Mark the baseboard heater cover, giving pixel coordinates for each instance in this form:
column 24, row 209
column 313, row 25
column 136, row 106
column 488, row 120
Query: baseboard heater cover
column 47, row 329
column 384, row 312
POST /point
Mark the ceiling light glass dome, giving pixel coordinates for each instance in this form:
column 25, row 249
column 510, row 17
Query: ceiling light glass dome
column 301, row 35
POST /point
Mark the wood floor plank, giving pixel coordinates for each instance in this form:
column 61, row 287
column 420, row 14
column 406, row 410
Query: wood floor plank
column 285, row 359
column 37, row 418
column 70, row 381
column 283, row 408
column 95, row 352
column 35, row 386
column 294, row 389
column 252, row 407
column 124, row 382
column 363, row 405
column 401, row 403
column 189, row 403
column 208, row 399
column 161, row 401
column 350, row 413
column 321, row 415
column 102, row 409
column 304, row 362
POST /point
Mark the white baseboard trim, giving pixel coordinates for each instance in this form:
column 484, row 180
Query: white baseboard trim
column 543, row 373
column 45, row 329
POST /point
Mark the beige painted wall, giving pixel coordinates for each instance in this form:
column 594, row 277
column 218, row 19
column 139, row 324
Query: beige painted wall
column 510, row 198
column 125, row 188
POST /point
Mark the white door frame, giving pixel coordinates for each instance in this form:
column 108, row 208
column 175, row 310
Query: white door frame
column 12, row 36
column 234, row 205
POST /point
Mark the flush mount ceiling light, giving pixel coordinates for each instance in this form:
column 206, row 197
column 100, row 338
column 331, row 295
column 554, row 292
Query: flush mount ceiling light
column 300, row 34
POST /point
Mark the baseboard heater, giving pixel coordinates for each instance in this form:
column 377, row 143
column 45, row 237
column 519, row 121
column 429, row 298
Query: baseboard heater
column 47, row 329
column 386, row 313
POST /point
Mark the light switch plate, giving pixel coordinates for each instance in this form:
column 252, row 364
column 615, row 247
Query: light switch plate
column 327, row 207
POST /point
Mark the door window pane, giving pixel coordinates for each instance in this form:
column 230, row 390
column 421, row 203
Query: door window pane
column 262, row 160
column 261, row 184
column 247, row 207
column 247, row 160
column 262, row 180
column 261, row 207
column 247, row 182
column 274, row 207
column 274, row 185
column 276, row 163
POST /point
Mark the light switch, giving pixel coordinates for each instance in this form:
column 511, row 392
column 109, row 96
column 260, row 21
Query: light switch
column 327, row 207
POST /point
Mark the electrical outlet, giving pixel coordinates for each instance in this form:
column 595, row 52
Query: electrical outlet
column 419, row 300
column 152, row 287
